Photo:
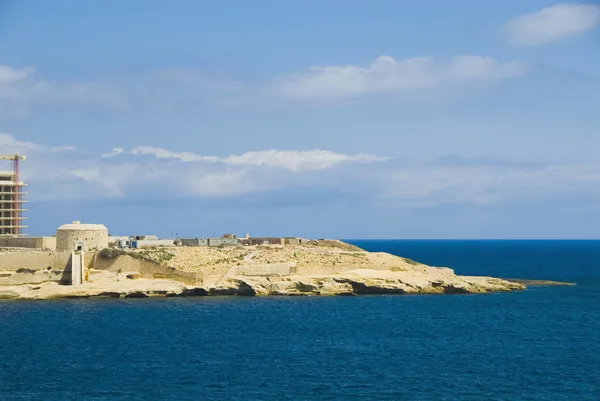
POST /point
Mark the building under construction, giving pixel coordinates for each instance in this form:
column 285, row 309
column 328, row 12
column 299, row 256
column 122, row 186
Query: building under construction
column 11, row 198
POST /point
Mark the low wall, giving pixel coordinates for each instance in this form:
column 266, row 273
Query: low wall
column 267, row 269
column 28, row 242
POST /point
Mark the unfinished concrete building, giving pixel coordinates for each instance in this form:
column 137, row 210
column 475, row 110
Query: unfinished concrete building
column 11, row 198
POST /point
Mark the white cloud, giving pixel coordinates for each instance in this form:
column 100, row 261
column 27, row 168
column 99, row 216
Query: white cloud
column 103, row 180
column 113, row 152
column 223, row 184
column 299, row 160
column 66, row 148
column 293, row 160
column 9, row 74
column 553, row 23
column 161, row 153
column 11, row 145
column 388, row 75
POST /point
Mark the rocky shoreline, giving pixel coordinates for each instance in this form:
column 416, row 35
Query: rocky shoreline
column 354, row 283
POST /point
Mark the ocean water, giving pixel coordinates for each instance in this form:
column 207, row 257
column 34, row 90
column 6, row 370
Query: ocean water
column 540, row 344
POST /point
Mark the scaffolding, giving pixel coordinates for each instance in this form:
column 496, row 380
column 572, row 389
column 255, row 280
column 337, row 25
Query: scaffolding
column 11, row 198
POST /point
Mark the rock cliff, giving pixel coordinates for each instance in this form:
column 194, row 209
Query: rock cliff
column 350, row 283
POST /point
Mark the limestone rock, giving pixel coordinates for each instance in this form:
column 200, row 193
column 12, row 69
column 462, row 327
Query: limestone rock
column 122, row 289
column 363, row 281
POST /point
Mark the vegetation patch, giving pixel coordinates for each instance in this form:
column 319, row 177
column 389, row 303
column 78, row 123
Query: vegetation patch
column 332, row 243
column 411, row 262
column 159, row 255
column 110, row 253
column 27, row 271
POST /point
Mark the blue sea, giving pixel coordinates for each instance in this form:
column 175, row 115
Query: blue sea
column 540, row 344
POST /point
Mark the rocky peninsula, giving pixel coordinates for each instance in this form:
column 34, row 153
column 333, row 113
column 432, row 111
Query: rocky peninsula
column 325, row 267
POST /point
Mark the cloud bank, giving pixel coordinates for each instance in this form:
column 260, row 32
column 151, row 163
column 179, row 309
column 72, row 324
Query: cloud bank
column 292, row 160
column 148, row 170
column 155, row 173
column 174, row 90
column 553, row 23
column 386, row 74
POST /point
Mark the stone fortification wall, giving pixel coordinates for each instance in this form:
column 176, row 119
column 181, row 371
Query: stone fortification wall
column 28, row 242
column 146, row 269
column 34, row 260
column 32, row 267
column 267, row 269
column 66, row 240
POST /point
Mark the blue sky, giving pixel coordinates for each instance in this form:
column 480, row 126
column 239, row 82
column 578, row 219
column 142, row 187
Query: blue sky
column 347, row 119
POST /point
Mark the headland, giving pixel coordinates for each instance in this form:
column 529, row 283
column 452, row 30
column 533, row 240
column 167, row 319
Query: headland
column 308, row 267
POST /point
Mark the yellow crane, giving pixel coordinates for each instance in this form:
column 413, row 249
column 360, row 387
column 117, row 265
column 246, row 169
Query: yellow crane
column 15, row 159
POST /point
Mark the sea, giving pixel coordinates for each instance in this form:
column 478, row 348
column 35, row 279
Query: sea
column 539, row 344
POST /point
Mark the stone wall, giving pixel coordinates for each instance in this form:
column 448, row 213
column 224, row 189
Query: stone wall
column 28, row 242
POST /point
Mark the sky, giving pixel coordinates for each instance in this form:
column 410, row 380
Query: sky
column 315, row 118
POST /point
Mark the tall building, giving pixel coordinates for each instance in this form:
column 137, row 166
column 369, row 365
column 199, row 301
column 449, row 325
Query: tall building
column 11, row 204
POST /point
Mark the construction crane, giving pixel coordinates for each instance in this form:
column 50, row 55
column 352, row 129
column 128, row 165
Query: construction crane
column 15, row 160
